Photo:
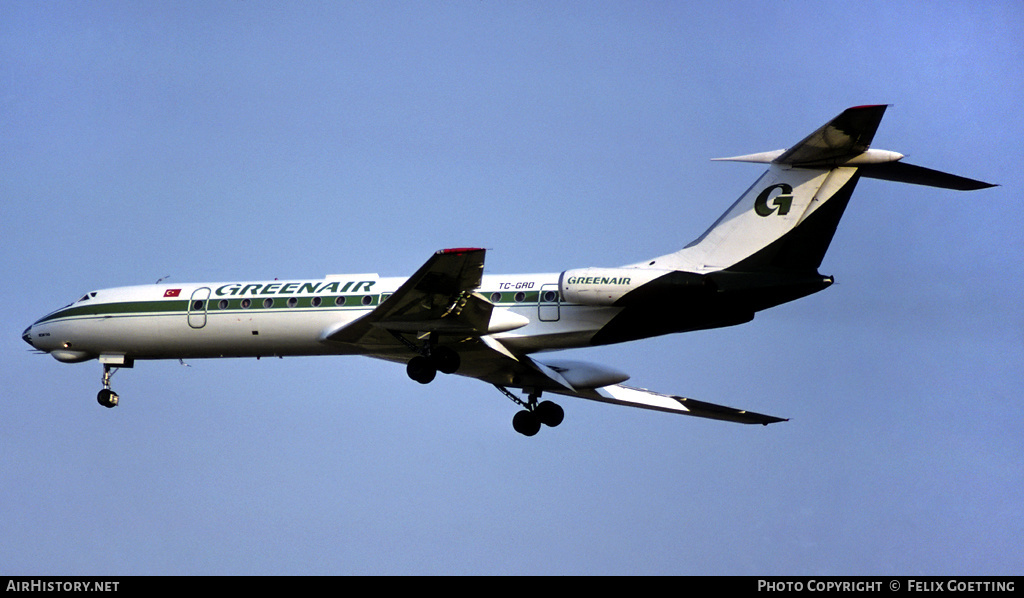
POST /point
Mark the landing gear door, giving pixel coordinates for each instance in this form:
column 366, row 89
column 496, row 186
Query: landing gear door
column 549, row 303
column 197, row 305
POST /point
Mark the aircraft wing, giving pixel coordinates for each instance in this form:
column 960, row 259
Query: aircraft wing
column 497, row 365
column 439, row 298
column 638, row 397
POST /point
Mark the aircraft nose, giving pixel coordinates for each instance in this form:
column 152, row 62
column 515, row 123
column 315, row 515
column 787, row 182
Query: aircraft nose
column 27, row 336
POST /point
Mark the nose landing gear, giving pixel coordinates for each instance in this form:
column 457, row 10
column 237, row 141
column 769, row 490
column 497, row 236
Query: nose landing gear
column 107, row 397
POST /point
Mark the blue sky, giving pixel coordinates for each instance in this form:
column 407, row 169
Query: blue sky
column 252, row 140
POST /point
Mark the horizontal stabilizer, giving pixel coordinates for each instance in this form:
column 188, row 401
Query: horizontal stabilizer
column 841, row 140
column 901, row 172
column 844, row 137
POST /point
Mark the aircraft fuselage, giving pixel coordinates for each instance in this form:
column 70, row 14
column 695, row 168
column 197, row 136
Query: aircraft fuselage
column 283, row 318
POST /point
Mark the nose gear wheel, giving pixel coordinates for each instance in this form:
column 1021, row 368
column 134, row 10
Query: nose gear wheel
column 107, row 397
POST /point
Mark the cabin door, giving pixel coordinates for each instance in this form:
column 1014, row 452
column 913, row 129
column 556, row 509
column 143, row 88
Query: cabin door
column 197, row 305
column 549, row 303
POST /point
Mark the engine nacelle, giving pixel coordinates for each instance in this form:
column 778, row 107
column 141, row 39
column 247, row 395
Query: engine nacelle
column 503, row 320
column 582, row 375
column 603, row 286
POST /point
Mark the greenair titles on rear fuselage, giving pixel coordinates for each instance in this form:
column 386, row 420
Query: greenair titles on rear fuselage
column 596, row 280
column 294, row 288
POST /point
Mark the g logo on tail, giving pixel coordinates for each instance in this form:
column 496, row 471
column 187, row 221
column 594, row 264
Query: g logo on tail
column 782, row 202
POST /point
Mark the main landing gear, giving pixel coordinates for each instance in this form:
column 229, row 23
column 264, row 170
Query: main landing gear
column 528, row 421
column 107, row 397
column 431, row 359
column 423, row 368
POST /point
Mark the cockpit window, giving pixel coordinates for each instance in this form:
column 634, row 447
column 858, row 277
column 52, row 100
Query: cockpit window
column 87, row 296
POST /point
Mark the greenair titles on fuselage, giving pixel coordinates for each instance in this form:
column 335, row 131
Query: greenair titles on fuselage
column 597, row 280
column 294, row 288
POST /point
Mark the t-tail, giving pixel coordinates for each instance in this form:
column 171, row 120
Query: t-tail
column 786, row 220
column 767, row 247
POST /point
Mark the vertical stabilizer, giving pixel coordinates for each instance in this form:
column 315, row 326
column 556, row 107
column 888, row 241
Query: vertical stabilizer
column 786, row 220
column 759, row 229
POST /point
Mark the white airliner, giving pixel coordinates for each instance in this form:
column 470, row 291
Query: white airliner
column 450, row 317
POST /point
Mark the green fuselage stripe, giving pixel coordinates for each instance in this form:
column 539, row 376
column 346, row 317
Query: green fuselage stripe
column 257, row 303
